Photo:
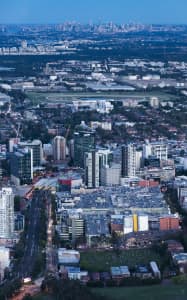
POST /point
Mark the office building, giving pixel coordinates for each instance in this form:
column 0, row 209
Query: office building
column 84, row 141
column 36, row 146
column 6, row 213
column 21, row 165
column 92, row 169
column 59, row 148
column 128, row 168
column 110, row 175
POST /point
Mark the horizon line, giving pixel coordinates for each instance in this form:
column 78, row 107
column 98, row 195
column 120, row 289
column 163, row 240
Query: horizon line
column 94, row 23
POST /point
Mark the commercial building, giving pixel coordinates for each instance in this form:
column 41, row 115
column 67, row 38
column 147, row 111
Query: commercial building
column 21, row 165
column 59, row 148
column 6, row 213
column 135, row 223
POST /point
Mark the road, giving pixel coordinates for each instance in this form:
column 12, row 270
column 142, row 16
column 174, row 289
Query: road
column 31, row 250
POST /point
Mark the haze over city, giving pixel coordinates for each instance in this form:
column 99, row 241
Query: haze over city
column 84, row 11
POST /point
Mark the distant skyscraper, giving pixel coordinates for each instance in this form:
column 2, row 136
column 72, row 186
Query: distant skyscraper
column 128, row 168
column 59, row 148
column 84, row 141
column 6, row 213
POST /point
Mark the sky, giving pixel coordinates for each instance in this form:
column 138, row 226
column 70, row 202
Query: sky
column 84, row 11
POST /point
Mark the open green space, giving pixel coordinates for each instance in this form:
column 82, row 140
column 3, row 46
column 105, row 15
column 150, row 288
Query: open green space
column 158, row 292
column 52, row 97
column 99, row 261
column 167, row 292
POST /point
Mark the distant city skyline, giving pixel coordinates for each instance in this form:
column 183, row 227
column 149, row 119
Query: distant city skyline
column 84, row 11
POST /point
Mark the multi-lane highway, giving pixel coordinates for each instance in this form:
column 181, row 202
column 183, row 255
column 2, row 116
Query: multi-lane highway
column 31, row 250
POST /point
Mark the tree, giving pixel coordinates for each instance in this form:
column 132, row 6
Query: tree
column 68, row 289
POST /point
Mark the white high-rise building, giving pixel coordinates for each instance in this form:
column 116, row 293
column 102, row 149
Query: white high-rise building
column 4, row 260
column 94, row 162
column 157, row 149
column 138, row 159
column 6, row 213
column 59, row 148
column 160, row 150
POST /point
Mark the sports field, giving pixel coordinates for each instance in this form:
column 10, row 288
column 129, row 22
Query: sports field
column 167, row 292
column 99, row 261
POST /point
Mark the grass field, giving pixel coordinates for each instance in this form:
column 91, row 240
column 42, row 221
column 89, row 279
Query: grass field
column 168, row 292
column 103, row 260
column 159, row 292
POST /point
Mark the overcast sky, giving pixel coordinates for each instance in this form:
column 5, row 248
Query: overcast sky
column 120, row 11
